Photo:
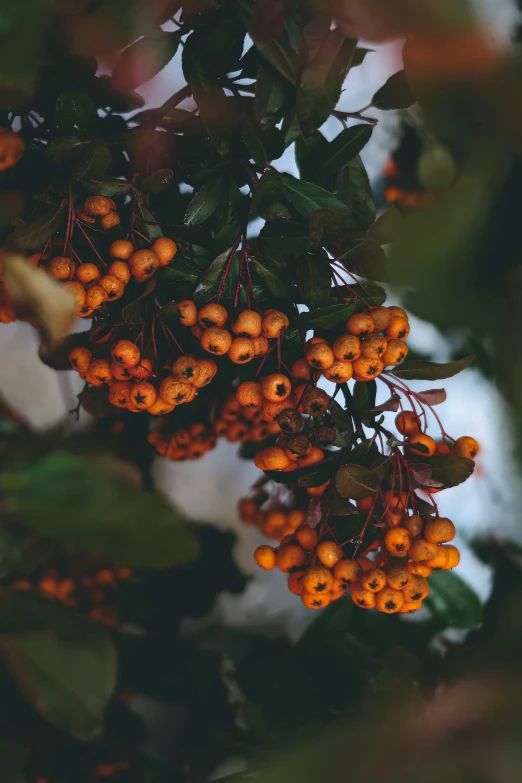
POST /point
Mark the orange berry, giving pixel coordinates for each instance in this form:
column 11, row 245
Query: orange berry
column 440, row 560
column 315, row 601
column 295, row 518
column 110, row 221
column 274, row 323
column 420, row 569
column 395, row 353
column 398, row 577
column 121, row 271
column 319, row 356
column 174, row 392
column 389, row 600
column 414, row 525
column 271, row 458
column 120, row 371
column 347, row 572
column 247, row 324
column 80, row 358
column 422, row 550
column 248, row 394
column 316, row 455
column 381, row 317
column 394, row 517
column 112, row 286
column 301, row 370
column 188, row 312
column 408, row 423
column 365, row 369
column 362, row 597
column 397, row 541
column 394, row 498
column 160, row 407
column 143, row 264
column 398, row 329
column 143, row 395
column 442, row 448
column 347, row 348
column 317, row 492
column 241, row 350
column 97, row 206
column 328, row 553
column 265, row 557
column 95, row 296
column 99, row 372
column 374, row 346
column 364, row 562
column 398, row 311
column 366, row 504
column 186, row 368
column 261, row 346
column 121, row 249
column 76, row 291
column 317, row 580
column 295, row 582
column 417, row 589
column 421, row 444
column 373, row 580
column 61, row 268
column 409, row 607
column 165, row 250
column 340, row 371
column 120, row 393
column 276, row 387
column 87, row 273
column 453, row 557
column 360, row 324
column 439, row 530
column 465, row 447
column 314, row 401
column 143, row 369
column 126, row 352
column 216, row 340
column 207, row 369
column 290, row 557
column 307, row 537
column 212, row 315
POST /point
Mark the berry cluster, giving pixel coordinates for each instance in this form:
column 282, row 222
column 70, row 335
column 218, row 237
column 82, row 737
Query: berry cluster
column 185, row 443
column 275, row 520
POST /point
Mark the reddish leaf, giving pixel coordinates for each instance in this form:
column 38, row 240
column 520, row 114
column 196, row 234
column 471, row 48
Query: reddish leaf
column 314, row 513
column 424, row 480
column 432, row 396
column 390, row 405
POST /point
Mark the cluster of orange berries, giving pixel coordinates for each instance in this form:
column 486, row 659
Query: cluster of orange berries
column 96, row 593
column 417, row 442
column 184, row 444
column 249, row 335
column 130, row 376
column 395, row 582
column 275, row 522
column 90, row 289
column 101, row 209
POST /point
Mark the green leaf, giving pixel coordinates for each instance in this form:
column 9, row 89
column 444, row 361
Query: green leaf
column 76, row 114
column 147, row 224
column 327, row 225
column 274, row 277
column 306, row 198
column 178, row 271
column 450, row 469
column 95, row 160
column 364, row 395
column 387, row 227
column 135, row 312
column 422, row 370
column 82, row 504
column 143, row 59
column 359, row 56
column 158, row 181
column 272, row 92
column 342, row 151
column 65, row 665
column 64, row 150
column 325, row 317
column 268, row 190
column 287, row 52
column 280, row 238
column 208, row 94
column 355, row 482
column 321, row 81
column 36, row 232
column 263, row 146
column 205, row 202
column 211, row 280
column 367, row 259
column 169, row 312
column 106, row 186
column 314, row 275
column 341, row 417
column 395, row 94
column 352, row 186
column 453, row 601
column 308, row 150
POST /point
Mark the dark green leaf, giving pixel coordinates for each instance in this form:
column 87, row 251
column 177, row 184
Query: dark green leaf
column 276, row 211
column 76, row 114
column 274, row 277
column 263, row 146
column 453, row 601
column 341, row 151
column 135, row 312
column 314, row 275
column 341, row 417
column 395, row 94
column 147, row 224
column 205, row 202
column 321, row 81
column 211, row 280
column 84, row 505
column 158, row 181
column 386, row 227
column 169, row 312
column 306, row 198
column 327, row 225
column 371, row 295
column 65, row 665
column 450, row 469
column 421, row 370
column 287, row 52
column 359, row 56
column 308, row 150
column 367, row 259
column 144, row 59
column 364, row 400
column 280, row 238
column 364, row 453
column 355, row 482
column 272, row 92
column 95, row 160
column 64, row 150
column 36, row 232
column 325, row 317
column 352, row 186
column 106, row 186
column 318, row 477
column 268, row 190
column 178, row 271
